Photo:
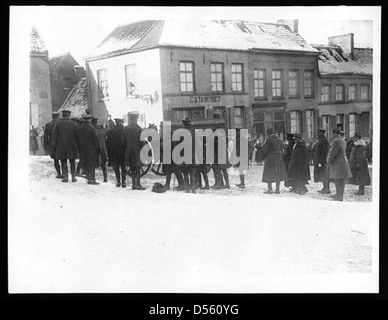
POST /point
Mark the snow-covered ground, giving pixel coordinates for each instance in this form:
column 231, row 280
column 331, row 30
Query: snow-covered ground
column 76, row 237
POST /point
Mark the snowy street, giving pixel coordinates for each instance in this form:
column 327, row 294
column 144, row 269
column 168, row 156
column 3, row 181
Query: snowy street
column 74, row 237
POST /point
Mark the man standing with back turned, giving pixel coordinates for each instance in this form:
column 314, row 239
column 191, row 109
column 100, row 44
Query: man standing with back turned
column 48, row 142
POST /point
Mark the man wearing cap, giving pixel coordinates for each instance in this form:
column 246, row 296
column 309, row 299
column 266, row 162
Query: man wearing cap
column 103, row 152
column 274, row 168
column 90, row 149
column 130, row 139
column 65, row 143
column 320, row 161
column 359, row 165
column 116, row 152
column 48, row 142
column 339, row 170
column 299, row 170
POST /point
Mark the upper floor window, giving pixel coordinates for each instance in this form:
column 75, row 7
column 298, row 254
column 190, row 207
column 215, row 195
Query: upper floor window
column 325, row 93
column 217, row 77
column 277, row 83
column 309, row 83
column 339, row 92
column 364, row 92
column 293, row 82
column 259, row 83
column 186, row 70
column 130, row 79
column 102, row 78
column 352, row 92
column 237, row 77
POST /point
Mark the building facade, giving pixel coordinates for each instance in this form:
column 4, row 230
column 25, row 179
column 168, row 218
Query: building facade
column 254, row 75
column 346, row 83
column 40, row 89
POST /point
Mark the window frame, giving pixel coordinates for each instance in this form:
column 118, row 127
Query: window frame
column 365, row 85
column 192, row 72
column 101, row 95
column 310, row 133
column 352, row 123
column 328, row 93
column 256, row 80
column 222, row 72
column 236, row 73
column 241, row 116
column 355, row 92
column 305, row 82
column 298, row 120
column 135, row 82
column 281, row 79
column 297, row 87
column 343, row 92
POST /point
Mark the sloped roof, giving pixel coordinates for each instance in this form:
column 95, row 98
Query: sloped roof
column 211, row 34
column 36, row 43
column 77, row 100
column 334, row 61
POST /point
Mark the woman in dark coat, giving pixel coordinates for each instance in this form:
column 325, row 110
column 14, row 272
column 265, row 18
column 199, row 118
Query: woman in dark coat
column 359, row 165
column 299, row 170
column 274, row 168
column 90, row 148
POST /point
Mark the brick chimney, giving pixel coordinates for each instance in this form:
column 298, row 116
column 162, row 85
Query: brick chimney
column 346, row 41
column 79, row 72
column 292, row 23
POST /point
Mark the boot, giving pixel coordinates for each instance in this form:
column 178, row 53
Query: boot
column 137, row 185
column 105, row 176
column 361, row 191
column 277, row 191
column 123, row 177
column 242, row 182
column 92, row 177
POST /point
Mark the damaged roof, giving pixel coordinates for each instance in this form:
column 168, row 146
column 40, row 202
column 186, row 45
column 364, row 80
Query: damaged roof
column 77, row 100
column 334, row 61
column 36, row 43
column 209, row 34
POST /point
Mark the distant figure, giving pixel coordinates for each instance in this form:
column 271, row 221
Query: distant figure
column 359, row 165
column 349, row 147
column 33, row 140
column 320, row 161
column 274, row 168
column 299, row 170
column 90, row 149
column 65, row 142
column 339, row 170
column 48, row 142
column 259, row 152
column 103, row 152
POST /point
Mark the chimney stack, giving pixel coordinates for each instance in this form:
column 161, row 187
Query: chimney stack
column 346, row 41
column 79, row 72
column 292, row 23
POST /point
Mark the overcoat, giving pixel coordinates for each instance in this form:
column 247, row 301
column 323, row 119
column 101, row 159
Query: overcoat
column 65, row 139
column 321, row 151
column 194, row 159
column 48, row 138
column 130, row 139
column 299, row 169
column 358, row 164
column 89, row 145
column 102, row 138
column 274, row 168
column 336, row 159
column 288, row 153
column 114, row 146
column 33, row 140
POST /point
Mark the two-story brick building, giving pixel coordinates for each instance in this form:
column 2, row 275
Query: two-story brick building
column 255, row 75
column 345, row 81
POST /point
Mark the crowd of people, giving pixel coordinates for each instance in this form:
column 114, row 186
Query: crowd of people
column 119, row 146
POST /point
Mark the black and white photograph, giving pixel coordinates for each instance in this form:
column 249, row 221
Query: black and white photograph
column 192, row 150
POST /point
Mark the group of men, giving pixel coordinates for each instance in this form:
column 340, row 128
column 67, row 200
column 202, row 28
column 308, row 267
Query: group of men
column 330, row 163
column 66, row 140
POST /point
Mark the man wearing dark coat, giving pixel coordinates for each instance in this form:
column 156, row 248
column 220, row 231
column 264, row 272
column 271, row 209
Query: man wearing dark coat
column 90, row 149
column 116, row 152
column 299, row 170
column 320, row 161
column 287, row 157
column 65, row 143
column 359, row 165
column 339, row 170
column 103, row 153
column 274, row 168
column 130, row 139
column 48, row 142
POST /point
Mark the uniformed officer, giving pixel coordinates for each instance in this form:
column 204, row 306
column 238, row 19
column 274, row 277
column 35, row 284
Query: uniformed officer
column 48, row 142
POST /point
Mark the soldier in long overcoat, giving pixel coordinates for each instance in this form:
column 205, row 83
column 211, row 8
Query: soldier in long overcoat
column 130, row 139
column 90, row 148
column 287, row 153
column 274, row 168
column 339, row 170
column 220, row 166
column 116, row 151
column 359, row 165
column 48, row 142
column 320, row 161
column 103, row 158
column 65, row 143
column 299, row 170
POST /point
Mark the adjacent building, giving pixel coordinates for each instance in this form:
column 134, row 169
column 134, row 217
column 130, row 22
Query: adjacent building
column 40, row 89
column 345, row 81
column 254, row 75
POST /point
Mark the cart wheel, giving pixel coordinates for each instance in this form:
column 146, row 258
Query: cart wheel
column 157, row 168
column 143, row 169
